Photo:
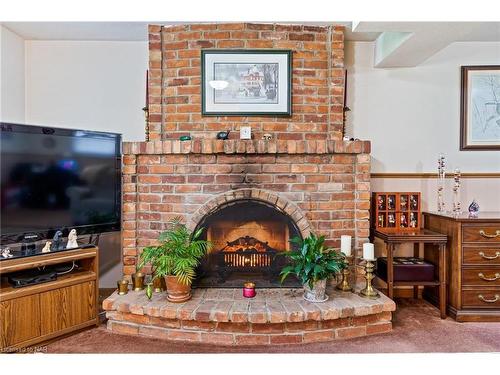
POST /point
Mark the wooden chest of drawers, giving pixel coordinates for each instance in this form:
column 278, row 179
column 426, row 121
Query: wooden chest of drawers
column 473, row 270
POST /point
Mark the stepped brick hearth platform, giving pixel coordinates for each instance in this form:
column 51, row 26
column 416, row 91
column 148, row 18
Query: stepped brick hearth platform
column 224, row 317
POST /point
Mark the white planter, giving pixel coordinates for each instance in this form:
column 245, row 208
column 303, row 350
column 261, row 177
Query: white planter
column 317, row 293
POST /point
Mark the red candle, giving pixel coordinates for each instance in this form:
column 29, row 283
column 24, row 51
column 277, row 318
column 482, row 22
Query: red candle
column 249, row 290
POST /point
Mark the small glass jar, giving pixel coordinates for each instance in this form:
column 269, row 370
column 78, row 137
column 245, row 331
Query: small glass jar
column 249, row 290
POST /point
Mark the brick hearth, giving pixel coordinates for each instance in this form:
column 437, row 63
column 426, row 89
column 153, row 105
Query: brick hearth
column 274, row 316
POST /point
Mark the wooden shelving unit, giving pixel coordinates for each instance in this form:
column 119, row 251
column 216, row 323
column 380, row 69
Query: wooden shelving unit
column 33, row 314
column 396, row 211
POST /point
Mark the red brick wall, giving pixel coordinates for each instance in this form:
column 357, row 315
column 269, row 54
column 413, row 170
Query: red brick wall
column 175, row 77
column 328, row 181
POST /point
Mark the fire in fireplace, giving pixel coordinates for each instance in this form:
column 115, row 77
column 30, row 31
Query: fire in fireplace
column 246, row 254
column 248, row 238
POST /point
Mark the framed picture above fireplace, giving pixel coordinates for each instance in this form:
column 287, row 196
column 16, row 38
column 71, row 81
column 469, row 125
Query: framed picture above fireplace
column 480, row 108
column 246, row 82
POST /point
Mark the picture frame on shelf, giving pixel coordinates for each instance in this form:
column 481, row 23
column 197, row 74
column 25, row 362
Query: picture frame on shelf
column 480, row 108
column 246, row 82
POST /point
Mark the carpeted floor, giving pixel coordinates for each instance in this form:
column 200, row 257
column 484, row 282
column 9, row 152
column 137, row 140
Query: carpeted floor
column 417, row 328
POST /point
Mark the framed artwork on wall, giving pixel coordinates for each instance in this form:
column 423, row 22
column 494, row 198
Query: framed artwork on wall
column 246, row 82
column 480, row 108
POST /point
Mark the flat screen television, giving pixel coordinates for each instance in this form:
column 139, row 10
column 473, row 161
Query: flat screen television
column 53, row 178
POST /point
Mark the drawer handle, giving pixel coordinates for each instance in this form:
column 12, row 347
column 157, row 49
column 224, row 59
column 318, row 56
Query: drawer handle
column 497, row 297
column 497, row 254
column 487, row 235
column 486, row 278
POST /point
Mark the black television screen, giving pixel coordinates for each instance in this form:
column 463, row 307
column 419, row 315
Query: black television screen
column 54, row 178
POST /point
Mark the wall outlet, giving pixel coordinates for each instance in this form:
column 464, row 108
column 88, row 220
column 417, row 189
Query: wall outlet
column 245, row 132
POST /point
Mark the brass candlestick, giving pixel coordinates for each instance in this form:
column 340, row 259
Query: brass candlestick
column 344, row 284
column 138, row 281
column 368, row 291
column 122, row 287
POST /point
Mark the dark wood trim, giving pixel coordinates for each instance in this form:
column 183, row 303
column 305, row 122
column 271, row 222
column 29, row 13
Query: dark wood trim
column 484, row 217
column 464, row 315
column 463, row 304
column 287, row 52
column 422, row 235
column 464, row 70
column 434, row 175
column 16, row 264
column 37, row 313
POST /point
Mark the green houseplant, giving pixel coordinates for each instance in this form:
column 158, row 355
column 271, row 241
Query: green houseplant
column 313, row 263
column 176, row 258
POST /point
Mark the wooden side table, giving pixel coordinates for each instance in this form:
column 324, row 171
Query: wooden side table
column 422, row 236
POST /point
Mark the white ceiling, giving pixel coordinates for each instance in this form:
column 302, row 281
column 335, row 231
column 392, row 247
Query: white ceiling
column 397, row 44
column 117, row 31
column 122, row 31
column 406, row 44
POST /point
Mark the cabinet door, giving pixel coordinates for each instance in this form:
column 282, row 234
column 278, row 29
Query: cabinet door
column 20, row 319
column 67, row 307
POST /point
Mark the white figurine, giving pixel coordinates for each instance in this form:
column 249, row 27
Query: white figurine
column 72, row 239
column 46, row 248
column 391, row 220
column 6, row 252
column 404, row 222
column 413, row 220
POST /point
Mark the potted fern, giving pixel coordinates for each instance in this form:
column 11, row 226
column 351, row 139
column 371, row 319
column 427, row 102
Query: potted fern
column 176, row 258
column 313, row 264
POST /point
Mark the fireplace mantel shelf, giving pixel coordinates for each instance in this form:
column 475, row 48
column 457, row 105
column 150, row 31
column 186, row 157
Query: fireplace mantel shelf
column 236, row 146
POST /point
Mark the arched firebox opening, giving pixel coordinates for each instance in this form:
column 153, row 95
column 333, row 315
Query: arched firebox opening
column 249, row 238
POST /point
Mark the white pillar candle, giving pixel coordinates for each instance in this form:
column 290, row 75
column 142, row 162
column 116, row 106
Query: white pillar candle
column 368, row 251
column 345, row 245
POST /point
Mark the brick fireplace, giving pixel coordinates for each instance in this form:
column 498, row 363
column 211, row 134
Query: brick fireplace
column 305, row 173
column 315, row 185
column 251, row 196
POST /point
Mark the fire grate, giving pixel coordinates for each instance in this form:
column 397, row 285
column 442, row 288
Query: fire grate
column 246, row 254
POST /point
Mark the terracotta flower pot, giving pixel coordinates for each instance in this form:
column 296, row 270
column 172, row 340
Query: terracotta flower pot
column 177, row 292
column 316, row 293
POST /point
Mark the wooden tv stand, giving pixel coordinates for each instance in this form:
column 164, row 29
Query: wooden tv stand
column 37, row 313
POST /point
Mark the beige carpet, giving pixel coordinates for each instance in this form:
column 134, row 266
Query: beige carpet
column 417, row 328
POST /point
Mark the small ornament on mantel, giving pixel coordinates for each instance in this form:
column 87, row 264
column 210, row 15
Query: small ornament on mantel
column 267, row 137
column 223, row 135
column 474, row 209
